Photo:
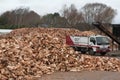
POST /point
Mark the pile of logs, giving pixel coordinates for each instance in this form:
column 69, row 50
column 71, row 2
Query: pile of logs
column 31, row 52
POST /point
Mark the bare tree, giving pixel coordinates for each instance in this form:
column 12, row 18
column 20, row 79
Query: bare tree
column 53, row 20
column 94, row 12
column 31, row 19
column 22, row 16
column 19, row 14
column 72, row 15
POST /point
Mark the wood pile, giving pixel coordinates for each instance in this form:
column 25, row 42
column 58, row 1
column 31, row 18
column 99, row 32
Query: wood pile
column 31, row 52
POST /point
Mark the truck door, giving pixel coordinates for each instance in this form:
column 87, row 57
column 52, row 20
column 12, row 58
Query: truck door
column 92, row 41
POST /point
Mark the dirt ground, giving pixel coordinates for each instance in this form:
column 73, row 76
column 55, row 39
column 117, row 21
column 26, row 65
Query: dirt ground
column 86, row 75
column 83, row 75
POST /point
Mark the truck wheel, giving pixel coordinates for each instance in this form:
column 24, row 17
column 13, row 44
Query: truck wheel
column 103, row 53
column 91, row 52
column 83, row 52
column 75, row 48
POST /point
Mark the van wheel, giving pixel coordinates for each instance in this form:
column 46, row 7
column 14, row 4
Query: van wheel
column 91, row 52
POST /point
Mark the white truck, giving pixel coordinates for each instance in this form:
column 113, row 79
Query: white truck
column 92, row 44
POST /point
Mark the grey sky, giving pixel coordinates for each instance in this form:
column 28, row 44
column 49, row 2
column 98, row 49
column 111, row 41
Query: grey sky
column 50, row 6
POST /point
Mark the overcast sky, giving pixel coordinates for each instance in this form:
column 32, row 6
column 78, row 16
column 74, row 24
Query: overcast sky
column 50, row 6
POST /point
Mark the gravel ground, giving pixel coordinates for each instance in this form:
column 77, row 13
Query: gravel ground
column 86, row 75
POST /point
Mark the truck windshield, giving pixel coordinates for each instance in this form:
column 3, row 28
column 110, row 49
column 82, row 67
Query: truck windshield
column 102, row 40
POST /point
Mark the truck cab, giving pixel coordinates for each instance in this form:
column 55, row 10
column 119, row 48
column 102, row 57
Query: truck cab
column 99, row 44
